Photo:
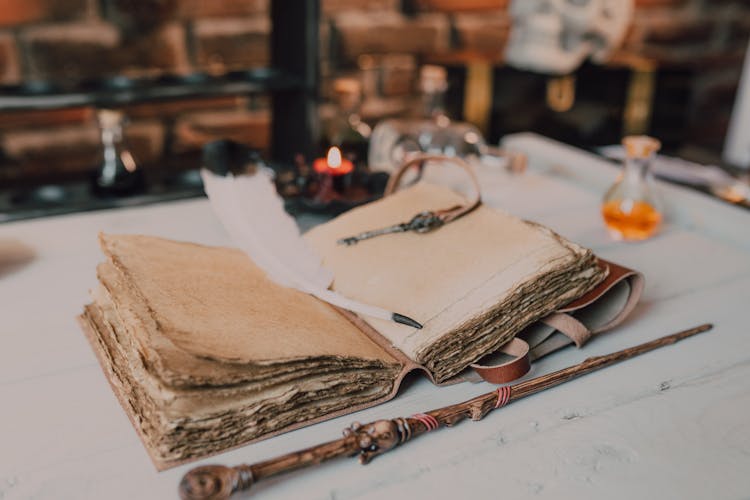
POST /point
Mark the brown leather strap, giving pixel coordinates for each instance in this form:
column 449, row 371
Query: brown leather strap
column 566, row 323
column 580, row 333
column 569, row 326
column 420, row 160
column 510, row 370
column 599, row 310
column 615, row 274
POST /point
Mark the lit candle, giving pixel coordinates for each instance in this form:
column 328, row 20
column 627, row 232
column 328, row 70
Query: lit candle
column 334, row 164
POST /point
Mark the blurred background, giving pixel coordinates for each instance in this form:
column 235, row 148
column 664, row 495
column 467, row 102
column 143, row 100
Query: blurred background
column 185, row 72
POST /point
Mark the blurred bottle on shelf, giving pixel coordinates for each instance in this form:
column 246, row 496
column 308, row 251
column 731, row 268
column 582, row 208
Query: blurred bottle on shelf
column 118, row 175
column 632, row 209
column 346, row 130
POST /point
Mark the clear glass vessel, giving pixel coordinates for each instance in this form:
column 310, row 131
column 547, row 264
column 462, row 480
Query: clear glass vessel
column 428, row 130
column 632, row 208
column 118, row 174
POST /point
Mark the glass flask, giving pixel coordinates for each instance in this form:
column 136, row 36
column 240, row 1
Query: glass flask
column 632, row 209
column 118, row 174
column 428, row 130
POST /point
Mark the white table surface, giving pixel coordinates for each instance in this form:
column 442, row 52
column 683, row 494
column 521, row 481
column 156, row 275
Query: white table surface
column 674, row 423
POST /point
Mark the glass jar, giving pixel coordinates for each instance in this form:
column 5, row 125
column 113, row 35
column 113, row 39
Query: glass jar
column 632, row 208
column 428, row 130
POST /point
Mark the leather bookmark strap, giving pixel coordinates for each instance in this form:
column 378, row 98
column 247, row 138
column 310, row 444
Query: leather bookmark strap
column 570, row 327
column 616, row 273
column 564, row 322
column 510, row 370
column 447, row 214
column 577, row 331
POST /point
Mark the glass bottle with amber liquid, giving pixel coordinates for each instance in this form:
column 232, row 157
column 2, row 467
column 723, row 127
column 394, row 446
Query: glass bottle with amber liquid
column 632, row 209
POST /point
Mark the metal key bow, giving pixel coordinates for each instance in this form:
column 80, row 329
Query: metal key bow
column 420, row 223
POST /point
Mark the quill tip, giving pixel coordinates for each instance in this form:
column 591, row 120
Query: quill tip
column 405, row 320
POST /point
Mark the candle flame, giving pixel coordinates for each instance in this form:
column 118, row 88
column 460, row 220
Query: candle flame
column 334, row 157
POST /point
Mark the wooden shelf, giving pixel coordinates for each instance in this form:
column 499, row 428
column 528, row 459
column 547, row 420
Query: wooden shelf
column 292, row 82
column 121, row 91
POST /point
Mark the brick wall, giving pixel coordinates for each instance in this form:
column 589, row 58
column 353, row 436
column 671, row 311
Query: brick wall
column 705, row 40
column 66, row 40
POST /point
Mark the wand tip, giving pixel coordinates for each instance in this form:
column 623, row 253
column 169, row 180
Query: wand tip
column 405, row 320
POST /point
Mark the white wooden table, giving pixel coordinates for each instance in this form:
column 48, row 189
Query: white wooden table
column 671, row 424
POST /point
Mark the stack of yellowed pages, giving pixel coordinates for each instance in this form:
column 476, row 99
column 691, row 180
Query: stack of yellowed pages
column 206, row 353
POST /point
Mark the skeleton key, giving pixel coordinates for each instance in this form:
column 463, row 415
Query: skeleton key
column 420, row 223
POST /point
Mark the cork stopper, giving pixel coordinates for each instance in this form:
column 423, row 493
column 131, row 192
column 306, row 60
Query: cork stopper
column 433, row 78
column 347, row 86
column 347, row 92
column 640, row 146
column 109, row 118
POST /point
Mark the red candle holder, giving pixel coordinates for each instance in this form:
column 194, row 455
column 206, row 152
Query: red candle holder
column 335, row 173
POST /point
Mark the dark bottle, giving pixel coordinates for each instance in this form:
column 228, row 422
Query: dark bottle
column 118, row 174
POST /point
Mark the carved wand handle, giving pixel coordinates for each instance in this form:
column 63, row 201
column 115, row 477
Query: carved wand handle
column 216, row 482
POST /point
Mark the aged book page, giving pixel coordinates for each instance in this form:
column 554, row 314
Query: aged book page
column 204, row 353
column 216, row 303
column 472, row 283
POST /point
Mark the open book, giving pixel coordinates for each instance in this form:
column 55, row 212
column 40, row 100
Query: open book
column 206, row 353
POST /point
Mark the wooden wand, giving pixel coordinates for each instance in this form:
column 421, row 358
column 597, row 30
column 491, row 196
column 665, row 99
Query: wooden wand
column 369, row 440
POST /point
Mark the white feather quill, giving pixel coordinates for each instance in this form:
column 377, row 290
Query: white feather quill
column 253, row 214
